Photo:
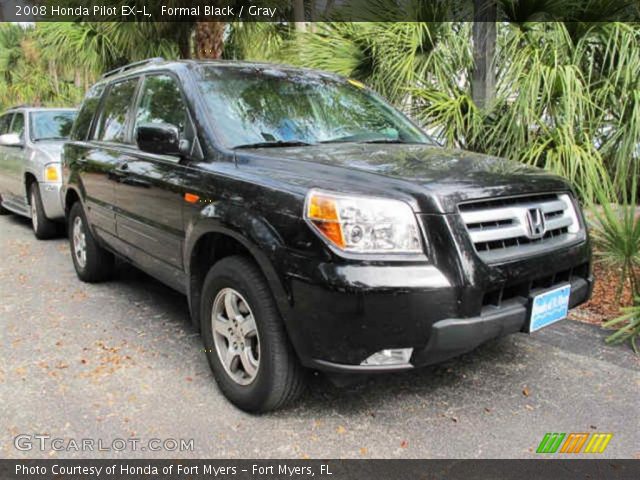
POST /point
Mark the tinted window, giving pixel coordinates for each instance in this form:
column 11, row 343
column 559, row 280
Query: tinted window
column 113, row 121
column 17, row 126
column 5, row 121
column 81, row 126
column 161, row 102
column 51, row 125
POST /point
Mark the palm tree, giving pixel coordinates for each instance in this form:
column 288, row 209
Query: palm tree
column 209, row 39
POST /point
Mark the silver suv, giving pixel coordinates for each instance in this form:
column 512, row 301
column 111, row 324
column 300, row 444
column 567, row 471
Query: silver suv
column 30, row 178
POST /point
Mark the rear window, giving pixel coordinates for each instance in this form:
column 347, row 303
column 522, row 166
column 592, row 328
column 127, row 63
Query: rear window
column 82, row 125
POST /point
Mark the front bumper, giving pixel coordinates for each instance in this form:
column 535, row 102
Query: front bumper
column 51, row 200
column 452, row 337
column 342, row 313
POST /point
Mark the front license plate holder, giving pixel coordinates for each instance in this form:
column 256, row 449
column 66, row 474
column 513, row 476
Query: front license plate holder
column 548, row 307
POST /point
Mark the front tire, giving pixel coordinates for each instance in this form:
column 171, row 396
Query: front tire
column 247, row 347
column 92, row 262
column 43, row 228
column 3, row 211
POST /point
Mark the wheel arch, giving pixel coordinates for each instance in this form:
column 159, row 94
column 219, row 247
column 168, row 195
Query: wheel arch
column 215, row 242
column 71, row 196
column 29, row 178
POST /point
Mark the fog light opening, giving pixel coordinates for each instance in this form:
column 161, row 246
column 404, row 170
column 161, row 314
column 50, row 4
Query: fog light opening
column 392, row 356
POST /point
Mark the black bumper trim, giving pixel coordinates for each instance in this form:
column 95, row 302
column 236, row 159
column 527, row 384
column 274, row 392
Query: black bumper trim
column 455, row 336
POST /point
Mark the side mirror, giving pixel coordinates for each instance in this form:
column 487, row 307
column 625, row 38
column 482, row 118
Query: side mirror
column 11, row 140
column 159, row 138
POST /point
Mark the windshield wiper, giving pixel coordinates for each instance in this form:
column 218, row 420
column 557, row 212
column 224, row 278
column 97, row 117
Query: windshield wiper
column 383, row 140
column 360, row 139
column 274, row 144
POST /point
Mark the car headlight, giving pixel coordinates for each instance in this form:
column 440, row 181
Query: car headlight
column 358, row 224
column 52, row 172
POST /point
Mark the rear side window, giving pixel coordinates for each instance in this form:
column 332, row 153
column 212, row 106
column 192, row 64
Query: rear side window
column 5, row 122
column 162, row 102
column 82, row 125
column 113, row 121
column 17, row 126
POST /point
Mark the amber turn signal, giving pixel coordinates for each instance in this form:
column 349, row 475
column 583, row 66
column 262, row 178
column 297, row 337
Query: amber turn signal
column 191, row 197
column 322, row 211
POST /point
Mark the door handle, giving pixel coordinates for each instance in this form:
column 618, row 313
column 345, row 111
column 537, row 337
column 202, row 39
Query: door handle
column 120, row 172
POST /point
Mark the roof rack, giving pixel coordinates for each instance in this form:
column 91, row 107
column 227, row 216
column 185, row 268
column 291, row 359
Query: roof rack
column 22, row 105
column 129, row 66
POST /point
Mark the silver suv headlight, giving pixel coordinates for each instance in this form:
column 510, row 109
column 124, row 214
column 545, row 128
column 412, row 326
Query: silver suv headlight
column 358, row 224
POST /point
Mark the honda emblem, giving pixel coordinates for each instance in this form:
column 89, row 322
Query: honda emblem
column 535, row 221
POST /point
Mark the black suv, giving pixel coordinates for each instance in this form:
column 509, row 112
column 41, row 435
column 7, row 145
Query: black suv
column 312, row 225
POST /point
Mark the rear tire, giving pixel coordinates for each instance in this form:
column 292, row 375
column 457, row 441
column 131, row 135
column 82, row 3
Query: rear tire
column 274, row 377
column 43, row 228
column 92, row 262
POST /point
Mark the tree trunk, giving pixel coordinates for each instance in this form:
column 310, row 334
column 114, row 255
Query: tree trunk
column 209, row 41
column 484, row 47
column 298, row 15
column 184, row 40
column 53, row 73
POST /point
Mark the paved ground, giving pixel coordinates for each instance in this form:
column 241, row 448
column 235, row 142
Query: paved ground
column 119, row 360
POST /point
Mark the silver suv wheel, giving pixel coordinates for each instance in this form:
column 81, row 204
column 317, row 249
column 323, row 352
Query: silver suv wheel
column 79, row 242
column 34, row 209
column 235, row 336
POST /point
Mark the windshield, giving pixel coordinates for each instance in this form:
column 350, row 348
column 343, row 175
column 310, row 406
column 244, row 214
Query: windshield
column 275, row 107
column 52, row 124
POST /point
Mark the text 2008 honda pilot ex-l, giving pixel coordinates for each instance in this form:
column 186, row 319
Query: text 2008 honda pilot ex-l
column 311, row 225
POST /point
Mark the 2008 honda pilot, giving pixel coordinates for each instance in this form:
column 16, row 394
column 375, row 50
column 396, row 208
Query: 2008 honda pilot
column 311, row 225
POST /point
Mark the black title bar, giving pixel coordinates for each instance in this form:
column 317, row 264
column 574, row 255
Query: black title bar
column 319, row 469
column 319, row 10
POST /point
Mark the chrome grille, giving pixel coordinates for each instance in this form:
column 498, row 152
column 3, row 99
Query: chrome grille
column 506, row 228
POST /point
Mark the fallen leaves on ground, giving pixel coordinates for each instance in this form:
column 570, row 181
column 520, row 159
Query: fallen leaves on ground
column 604, row 304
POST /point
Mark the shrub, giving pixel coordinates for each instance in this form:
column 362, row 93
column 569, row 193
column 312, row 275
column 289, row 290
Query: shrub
column 628, row 325
column 616, row 235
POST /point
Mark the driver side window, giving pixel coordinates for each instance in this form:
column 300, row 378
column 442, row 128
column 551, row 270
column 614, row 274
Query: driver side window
column 162, row 102
column 17, row 126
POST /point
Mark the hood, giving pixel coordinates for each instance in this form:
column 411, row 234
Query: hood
column 437, row 179
column 50, row 148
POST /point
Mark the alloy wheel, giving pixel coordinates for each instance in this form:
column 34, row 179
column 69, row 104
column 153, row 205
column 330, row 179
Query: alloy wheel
column 235, row 336
column 79, row 242
column 34, row 211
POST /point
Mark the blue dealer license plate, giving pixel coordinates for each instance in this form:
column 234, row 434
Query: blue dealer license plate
column 549, row 307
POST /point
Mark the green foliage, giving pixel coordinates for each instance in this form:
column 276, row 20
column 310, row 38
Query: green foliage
column 11, row 37
column 29, row 76
column 392, row 58
column 616, row 234
column 256, row 40
column 628, row 325
column 52, row 63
